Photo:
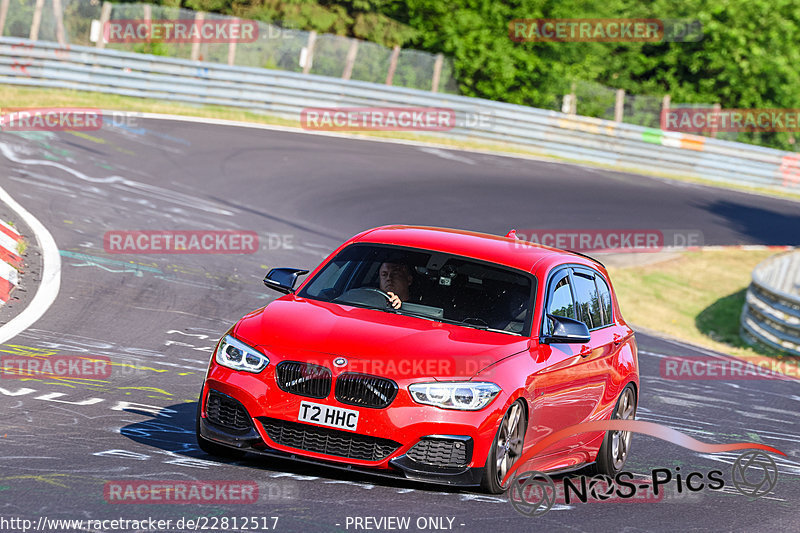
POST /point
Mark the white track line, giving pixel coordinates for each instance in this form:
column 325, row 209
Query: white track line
column 51, row 273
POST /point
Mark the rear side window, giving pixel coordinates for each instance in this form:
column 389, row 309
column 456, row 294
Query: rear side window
column 605, row 300
column 588, row 300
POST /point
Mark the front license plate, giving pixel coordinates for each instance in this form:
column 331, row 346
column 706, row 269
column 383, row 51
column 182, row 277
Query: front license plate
column 326, row 415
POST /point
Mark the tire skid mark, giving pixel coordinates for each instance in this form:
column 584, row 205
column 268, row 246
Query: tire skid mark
column 129, row 362
column 138, row 269
column 123, row 183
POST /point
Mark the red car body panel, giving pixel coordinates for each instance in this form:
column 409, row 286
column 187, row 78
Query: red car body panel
column 561, row 384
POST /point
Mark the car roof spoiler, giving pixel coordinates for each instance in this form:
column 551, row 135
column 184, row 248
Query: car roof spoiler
column 587, row 257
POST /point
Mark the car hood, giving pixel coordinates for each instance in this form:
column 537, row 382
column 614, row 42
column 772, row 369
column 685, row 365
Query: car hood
column 372, row 341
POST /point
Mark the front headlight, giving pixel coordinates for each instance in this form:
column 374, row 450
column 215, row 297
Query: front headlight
column 237, row 355
column 467, row 396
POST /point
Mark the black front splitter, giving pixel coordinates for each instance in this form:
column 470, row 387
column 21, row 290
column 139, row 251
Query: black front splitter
column 405, row 468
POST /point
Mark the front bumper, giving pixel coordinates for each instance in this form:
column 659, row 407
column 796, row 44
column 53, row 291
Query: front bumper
column 403, row 467
column 404, row 424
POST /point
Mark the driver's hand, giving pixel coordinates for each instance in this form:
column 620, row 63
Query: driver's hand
column 394, row 300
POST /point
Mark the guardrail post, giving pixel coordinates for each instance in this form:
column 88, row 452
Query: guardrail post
column 58, row 13
column 573, row 100
column 717, row 109
column 148, row 20
column 437, row 72
column 312, row 38
column 664, row 109
column 37, row 20
column 105, row 16
column 3, row 13
column 351, row 59
column 232, row 46
column 198, row 21
column 619, row 105
column 392, row 64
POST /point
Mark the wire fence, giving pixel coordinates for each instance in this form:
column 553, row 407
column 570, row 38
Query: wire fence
column 643, row 110
column 592, row 99
column 276, row 47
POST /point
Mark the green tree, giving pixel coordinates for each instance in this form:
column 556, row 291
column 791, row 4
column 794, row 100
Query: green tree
column 746, row 59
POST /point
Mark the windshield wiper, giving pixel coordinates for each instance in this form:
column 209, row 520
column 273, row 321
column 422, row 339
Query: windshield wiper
column 485, row 328
column 358, row 304
column 412, row 313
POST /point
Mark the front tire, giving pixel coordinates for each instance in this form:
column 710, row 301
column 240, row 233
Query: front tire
column 617, row 444
column 506, row 448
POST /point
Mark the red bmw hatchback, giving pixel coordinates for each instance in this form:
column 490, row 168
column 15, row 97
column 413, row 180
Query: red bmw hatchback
column 432, row 354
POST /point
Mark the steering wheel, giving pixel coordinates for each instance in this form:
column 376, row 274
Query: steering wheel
column 475, row 320
column 379, row 291
column 353, row 293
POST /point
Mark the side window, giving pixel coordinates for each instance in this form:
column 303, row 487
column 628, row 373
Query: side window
column 561, row 302
column 588, row 300
column 605, row 300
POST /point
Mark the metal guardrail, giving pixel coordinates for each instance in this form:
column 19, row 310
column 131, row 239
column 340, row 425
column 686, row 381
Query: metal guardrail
column 771, row 313
column 43, row 64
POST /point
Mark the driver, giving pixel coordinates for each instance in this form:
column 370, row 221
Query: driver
column 395, row 280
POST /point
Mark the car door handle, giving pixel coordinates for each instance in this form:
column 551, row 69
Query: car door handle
column 585, row 351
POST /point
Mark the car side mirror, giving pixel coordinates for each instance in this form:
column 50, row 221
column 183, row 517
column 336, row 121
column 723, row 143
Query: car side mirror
column 567, row 330
column 283, row 279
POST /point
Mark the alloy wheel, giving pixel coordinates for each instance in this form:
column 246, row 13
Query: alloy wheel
column 621, row 440
column 509, row 442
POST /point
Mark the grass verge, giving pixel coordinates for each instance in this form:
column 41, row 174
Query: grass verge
column 16, row 96
column 696, row 297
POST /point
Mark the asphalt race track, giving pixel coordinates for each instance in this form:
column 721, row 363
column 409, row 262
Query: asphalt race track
column 157, row 317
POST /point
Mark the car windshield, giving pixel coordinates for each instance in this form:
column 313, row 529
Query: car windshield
column 431, row 285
